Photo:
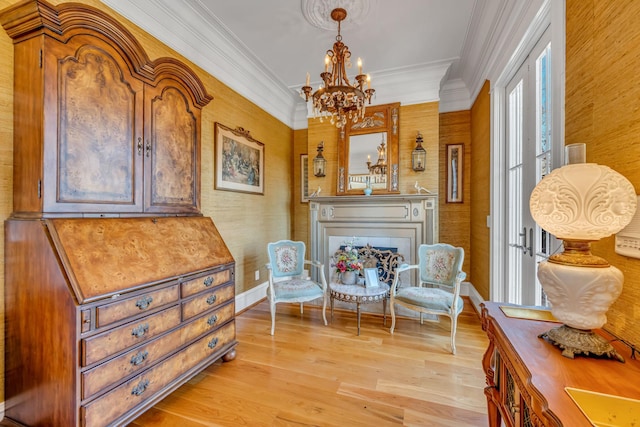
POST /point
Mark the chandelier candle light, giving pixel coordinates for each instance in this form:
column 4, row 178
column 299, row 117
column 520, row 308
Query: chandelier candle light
column 581, row 203
column 337, row 98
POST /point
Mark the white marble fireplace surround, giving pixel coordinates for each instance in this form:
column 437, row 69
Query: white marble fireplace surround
column 399, row 221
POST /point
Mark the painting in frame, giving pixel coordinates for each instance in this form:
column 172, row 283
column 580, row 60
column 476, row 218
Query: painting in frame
column 304, row 178
column 239, row 161
column 455, row 168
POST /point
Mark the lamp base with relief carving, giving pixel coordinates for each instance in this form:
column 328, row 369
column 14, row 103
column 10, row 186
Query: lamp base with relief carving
column 580, row 296
column 574, row 341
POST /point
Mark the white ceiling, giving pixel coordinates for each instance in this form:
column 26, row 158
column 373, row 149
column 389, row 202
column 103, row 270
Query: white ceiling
column 415, row 50
column 394, row 34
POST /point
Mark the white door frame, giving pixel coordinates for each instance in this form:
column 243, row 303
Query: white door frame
column 551, row 13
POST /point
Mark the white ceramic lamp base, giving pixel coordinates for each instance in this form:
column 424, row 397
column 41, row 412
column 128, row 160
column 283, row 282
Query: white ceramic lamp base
column 580, row 298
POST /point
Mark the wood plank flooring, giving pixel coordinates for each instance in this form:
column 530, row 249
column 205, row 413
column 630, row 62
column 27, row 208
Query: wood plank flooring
column 309, row 374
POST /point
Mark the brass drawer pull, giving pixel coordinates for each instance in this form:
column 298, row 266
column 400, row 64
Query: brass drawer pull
column 212, row 320
column 140, row 330
column 212, row 299
column 144, row 302
column 139, row 146
column 139, row 358
column 213, row 343
column 140, row 388
column 208, row 281
column 148, row 148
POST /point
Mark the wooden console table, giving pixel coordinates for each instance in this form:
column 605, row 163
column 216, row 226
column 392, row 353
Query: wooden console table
column 527, row 376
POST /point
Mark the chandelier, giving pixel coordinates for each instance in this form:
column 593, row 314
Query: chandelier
column 380, row 167
column 337, row 98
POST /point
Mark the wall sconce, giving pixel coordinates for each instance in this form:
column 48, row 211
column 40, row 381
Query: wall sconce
column 418, row 155
column 319, row 162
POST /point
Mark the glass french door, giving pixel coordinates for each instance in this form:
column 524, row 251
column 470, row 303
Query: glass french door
column 528, row 159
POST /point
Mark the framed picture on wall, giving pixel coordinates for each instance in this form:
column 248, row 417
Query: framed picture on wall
column 304, row 178
column 455, row 158
column 239, row 161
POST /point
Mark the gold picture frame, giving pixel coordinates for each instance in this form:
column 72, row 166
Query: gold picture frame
column 455, row 168
column 239, row 161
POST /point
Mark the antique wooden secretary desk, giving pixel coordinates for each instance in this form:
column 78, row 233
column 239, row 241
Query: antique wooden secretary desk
column 118, row 290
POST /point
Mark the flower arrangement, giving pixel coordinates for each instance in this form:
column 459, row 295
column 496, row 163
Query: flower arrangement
column 347, row 260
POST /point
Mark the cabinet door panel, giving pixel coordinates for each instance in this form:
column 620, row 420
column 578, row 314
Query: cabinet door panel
column 171, row 149
column 94, row 150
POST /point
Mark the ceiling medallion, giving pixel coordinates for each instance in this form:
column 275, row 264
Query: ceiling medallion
column 336, row 98
column 318, row 12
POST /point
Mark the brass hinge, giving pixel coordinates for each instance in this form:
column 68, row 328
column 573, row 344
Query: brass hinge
column 39, row 189
column 40, row 58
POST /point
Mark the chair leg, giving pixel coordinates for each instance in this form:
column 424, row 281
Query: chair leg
column 393, row 317
column 324, row 309
column 272, row 307
column 454, row 324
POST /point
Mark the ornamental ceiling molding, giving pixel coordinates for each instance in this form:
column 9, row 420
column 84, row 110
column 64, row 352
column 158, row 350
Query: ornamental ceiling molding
column 318, row 12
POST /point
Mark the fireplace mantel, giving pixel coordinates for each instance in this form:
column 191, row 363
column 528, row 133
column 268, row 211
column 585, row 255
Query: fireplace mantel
column 395, row 220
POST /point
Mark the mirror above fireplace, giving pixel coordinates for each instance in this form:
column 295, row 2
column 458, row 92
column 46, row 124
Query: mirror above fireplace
column 368, row 152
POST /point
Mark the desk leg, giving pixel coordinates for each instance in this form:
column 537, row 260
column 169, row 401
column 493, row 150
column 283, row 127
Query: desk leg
column 358, row 311
column 331, row 300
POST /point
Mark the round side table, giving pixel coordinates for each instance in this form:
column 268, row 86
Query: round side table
column 359, row 294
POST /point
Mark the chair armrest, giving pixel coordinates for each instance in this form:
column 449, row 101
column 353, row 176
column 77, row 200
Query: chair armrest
column 320, row 267
column 396, row 276
column 316, row 264
column 405, row 267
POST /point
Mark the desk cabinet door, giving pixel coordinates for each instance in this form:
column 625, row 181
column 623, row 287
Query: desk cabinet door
column 171, row 149
column 92, row 129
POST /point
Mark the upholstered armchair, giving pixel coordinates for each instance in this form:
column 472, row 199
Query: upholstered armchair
column 437, row 290
column 288, row 281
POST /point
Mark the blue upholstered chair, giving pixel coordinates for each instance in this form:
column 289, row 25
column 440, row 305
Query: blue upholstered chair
column 288, row 281
column 438, row 288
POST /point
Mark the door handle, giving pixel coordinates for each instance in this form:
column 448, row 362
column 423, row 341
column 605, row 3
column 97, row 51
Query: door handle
column 526, row 248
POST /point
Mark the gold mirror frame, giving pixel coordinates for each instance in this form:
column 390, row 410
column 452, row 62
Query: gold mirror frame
column 378, row 119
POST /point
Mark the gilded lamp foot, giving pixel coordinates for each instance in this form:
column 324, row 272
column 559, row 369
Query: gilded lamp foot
column 574, row 341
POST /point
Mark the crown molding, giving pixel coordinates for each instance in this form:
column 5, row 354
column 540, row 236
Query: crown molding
column 454, row 96
column 216, row 50
column 213, row 48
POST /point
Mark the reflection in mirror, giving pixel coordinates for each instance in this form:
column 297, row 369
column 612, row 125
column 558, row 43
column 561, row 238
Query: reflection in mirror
column 368, row 161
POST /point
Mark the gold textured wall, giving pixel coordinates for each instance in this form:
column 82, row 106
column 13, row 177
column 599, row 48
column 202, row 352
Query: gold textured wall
column 300, row 209
column 480, row 191
column 455, row 128
column 602, row 108
column 413, row 118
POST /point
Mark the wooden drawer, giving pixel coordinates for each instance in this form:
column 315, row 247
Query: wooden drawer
column 97, row 379
column 131, row 334
column 116, row 311
column 208, row 322
column 207, row 300
column 203, row 283
column 113, row 405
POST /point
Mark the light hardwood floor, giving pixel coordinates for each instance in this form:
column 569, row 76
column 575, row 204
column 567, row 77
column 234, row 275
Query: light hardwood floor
column 309, row 374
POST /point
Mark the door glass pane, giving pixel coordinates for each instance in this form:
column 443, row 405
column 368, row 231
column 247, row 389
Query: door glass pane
column 514, row 191
column 543, row 152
